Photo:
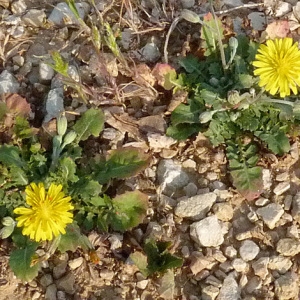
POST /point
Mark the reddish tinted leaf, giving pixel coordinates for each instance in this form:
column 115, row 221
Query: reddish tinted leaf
column 162, row 73
column 18, row 105
column 248, row 182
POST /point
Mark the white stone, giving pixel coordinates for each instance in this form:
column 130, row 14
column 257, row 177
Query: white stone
column 248, row 250
column 45, row 71
column 270, row 214
column 142, row 284
column 195, row 207
column 267, row 179
column 18, row 7
column 116, row 241
column 283, row 8
column 75, row 263
column 281, row 188
column 208, row 232
column 239, row 265
column 171, row 176
column 230, row 252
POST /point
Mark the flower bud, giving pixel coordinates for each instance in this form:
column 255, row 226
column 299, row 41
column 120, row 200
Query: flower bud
column 62, row 124
column 69, row 137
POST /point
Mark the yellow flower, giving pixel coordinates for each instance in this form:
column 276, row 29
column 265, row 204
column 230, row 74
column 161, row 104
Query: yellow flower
column 48, row 215
column 278, row 65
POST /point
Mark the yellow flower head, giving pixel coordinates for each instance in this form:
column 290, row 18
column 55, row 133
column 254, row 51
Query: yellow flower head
column 278, row 66
column 48, row 215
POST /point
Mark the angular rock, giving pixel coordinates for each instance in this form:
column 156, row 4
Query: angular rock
column 66, row 283
column 60, row 269
column 18, row 7
column 75, row 263
column 171, row 176
column 187, row 3
column 286, row 286
column 209, row 292
column 208, row 232
column 8, row 83
column 34, row 18
column 195, row 207
column 270, row 214
column 288, row 246
column 248, row 250
column 200, row 262
column 51, row 292
column 46, row 280
column 62, row 15
column 54, row 104
column 253, row 284
column 150, row 52
column 260, row 267
column 280, row 264
column 230, row 289
column 281, row 188
column 296, row 207
column 45, row 71
column 239, row 265
column 223, row 211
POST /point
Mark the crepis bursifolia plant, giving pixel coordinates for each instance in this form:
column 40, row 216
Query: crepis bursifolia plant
column 47, row 195
column 241, row 95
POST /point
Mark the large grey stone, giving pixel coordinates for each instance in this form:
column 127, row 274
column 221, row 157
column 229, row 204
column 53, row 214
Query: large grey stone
column 270, row 214
column 230, row 289
column 62, row 15
column 66, row 283
column 208, row 232
column 195, row 207
column 34, row 18
column 8, row 83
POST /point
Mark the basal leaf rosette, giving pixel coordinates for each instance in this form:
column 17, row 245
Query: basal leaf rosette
column 47, row 214
column 278, row 66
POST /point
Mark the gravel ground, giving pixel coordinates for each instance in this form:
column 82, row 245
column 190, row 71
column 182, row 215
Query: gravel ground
column 232, row 249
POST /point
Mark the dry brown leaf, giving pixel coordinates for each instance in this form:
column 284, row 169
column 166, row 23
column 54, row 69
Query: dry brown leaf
column 17, row 105
column 278, row 29
column 143, row 75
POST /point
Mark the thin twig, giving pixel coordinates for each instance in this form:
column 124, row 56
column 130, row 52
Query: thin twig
column 172, row 27
column 252, row 5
